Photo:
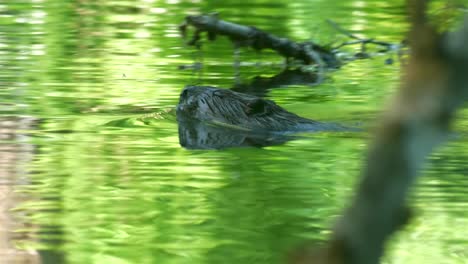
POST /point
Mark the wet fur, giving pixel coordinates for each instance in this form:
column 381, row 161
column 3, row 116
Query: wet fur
column 241, row 110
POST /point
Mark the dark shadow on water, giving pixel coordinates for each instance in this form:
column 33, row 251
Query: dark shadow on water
column 194, row 134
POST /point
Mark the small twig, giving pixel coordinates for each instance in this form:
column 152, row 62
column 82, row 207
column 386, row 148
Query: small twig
column 343, row 31
column 321, row 65
column 236, row 55
column 387, row 45
column 363, row 41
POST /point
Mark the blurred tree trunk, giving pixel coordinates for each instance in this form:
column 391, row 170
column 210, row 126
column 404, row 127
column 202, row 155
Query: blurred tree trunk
column 14, row 154
column 434, row 84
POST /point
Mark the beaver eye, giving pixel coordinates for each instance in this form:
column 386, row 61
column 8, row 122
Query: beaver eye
column 256, row 107
column 184, row 94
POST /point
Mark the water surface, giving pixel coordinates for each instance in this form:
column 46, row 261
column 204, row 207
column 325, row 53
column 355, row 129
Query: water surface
column 78, row 190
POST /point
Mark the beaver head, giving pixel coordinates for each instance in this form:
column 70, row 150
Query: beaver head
column 244, row 111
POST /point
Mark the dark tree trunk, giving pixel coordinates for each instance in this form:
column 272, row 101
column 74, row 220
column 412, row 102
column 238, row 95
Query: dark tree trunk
column 434, row 85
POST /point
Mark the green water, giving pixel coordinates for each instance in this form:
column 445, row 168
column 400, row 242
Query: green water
column 81, row 191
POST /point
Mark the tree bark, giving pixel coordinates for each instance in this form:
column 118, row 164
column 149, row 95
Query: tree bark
column 434, row 85
column 307, row 52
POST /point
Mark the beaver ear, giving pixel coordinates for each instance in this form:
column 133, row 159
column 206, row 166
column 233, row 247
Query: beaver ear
column 256, row 107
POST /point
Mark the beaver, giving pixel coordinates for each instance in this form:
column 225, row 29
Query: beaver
column 244, row 112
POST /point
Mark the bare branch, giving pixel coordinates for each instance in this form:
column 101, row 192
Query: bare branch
column 257, row 39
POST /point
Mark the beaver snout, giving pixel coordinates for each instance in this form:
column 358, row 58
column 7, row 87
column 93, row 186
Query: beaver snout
column 188, row 98
column 184, row 97
column 185, row 94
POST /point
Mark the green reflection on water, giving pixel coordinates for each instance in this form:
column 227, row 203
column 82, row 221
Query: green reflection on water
column 128, row 193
